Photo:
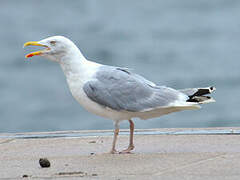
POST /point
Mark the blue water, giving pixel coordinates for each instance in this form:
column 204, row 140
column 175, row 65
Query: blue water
column 175, row 43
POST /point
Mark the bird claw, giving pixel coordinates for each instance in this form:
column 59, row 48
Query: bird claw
column 128, row 150
column 125, row 152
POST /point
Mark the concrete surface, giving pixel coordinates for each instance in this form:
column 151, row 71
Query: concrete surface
column 159, row 156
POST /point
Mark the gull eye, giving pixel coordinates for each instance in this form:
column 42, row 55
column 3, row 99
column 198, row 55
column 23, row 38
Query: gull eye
column 52, row 42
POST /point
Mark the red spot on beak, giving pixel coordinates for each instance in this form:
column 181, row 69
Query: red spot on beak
column 29, row 55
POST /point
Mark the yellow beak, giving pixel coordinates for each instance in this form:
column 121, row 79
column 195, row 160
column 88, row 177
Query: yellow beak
column 33, row 43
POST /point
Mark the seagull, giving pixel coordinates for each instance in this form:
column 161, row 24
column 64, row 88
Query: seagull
column 116, row 93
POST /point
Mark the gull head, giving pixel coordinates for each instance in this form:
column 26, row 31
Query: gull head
column 56, row 48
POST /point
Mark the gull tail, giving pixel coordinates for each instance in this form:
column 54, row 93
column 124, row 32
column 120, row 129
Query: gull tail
column 198, row 95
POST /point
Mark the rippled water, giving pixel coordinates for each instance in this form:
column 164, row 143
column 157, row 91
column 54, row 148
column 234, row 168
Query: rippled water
column 175, row 43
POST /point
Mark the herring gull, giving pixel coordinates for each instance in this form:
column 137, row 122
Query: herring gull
column 114, row 92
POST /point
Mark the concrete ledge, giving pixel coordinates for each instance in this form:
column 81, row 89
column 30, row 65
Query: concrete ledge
column 89, row 133
column 211, row 153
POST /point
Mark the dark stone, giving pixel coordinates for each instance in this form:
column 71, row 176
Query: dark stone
column 44, row 162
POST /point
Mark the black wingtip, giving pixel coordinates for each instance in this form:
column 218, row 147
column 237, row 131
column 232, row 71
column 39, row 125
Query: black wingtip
column 199, row 96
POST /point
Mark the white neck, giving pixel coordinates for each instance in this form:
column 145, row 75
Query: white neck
column 72, row 62
column 76, row 67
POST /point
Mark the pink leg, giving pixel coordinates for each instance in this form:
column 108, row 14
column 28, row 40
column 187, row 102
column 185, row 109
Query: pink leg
column 130, row 146
column 116, row 131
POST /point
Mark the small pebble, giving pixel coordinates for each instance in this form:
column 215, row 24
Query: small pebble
column 25, row 175
column 92, row 153
column 44, row 162
column 92, row 141
column 94, row 174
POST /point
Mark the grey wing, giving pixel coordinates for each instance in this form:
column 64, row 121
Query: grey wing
column 120, row 89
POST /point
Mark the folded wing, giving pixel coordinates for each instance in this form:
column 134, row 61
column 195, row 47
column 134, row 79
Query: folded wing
column 120, row 89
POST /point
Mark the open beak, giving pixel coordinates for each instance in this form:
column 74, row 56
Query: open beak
column 37, row 53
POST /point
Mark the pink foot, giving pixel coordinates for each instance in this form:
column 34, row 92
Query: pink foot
column 114, row 151
column 128, row 150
